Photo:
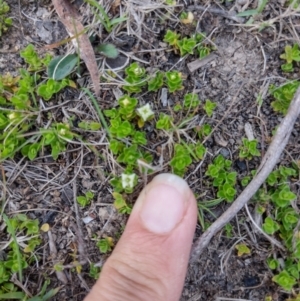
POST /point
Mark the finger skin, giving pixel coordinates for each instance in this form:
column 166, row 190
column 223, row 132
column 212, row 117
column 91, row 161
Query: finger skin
column 148, row 266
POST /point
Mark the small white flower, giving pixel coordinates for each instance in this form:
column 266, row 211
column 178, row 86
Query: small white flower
column 145, row 112
column 62, row 132
column 125, row 101
column 12, row 116
column 137, row 71
column 128, row 180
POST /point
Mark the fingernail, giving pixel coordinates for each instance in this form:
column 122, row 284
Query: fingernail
column 164, row 203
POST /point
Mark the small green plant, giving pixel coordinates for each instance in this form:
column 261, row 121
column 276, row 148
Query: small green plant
column 191, row 101
column 285, row 280
column 282, row 220
column 94, row 271
column 17, row 257
column 35, row 62
column 164, row 122
column 245, row 181
column 187, row 45
column 156, row 82
column 261, row 4
column 209, row 107
column 130, row 155
column 272, row 263
column 18, row 111
column 206, row 206
column 242, row 249
column 248, row 149
column 89, row 125
column 283, row 96
column 105, row 244
column 181, row 160
column 170, row 2
column 120, row 204
column 51, row 87
column 85, row 199
column 174, row 81
column 5, row 22
column 203, row 130
column 183, row 154
column 290, row 55
column 136, row 78
column 100, row 13
column 171, row 37
column 223, row 178
column 228, row 230
column 124, row 124
column 270, row 226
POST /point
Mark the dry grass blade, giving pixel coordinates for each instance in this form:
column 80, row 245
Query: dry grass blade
column 268, row 163
column 70, row 18
column 59, row 274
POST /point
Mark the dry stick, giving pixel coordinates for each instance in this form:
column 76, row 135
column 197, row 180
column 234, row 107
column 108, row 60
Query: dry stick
column 217, row 11
column 70, row 17
column 268, row 163
column 195, row 65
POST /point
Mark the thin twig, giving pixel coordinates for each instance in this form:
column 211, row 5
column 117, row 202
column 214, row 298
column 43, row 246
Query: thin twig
column 217, row 11
column 268, row 163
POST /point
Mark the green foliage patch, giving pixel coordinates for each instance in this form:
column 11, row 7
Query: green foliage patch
column 5, row 22
column 188, row 45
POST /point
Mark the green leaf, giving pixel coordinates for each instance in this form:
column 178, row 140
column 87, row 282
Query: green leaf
column 272, row 263
column 247, row 13
column 171, row 37
column 82, row 201
column 108, row 50
column 242, row 249
column 285, row 280
column 47, row 296
column 269, row 226
column 12, row 296
column 33, row 151
column 89, row 195
column 61, row 66
column 118, row 20
column 155, row 83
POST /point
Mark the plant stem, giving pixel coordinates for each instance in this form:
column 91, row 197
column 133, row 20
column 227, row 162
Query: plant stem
column 96, row 105
column 11, row 231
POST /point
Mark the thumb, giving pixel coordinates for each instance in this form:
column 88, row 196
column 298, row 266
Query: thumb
column 150, row 260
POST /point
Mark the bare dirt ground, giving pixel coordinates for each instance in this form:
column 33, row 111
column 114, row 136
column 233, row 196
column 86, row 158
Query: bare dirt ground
column 246, row 61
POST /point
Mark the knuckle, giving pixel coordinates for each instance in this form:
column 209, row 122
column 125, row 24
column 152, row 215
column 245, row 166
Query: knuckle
column 136, row 280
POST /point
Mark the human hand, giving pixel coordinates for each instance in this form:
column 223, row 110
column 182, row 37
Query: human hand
column 149, row 262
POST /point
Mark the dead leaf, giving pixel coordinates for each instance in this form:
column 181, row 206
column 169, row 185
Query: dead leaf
column 71, row 19
column 115, row 5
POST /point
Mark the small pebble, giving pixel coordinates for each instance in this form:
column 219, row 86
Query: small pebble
column 225, row 152
column 241, row 165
